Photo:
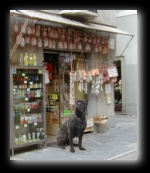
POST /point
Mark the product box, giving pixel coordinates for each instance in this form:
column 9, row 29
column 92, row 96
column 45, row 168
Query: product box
column 51, row 128
column 55, row 82
column 54, row 89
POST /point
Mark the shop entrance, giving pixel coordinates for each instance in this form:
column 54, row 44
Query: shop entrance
column 58, row 92
column 118, row 89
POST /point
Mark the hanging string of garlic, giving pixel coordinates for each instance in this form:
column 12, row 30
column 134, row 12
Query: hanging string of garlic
column 72, row 91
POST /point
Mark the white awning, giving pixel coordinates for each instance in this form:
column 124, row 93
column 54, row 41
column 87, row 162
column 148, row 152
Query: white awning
column 58, row 19
column 48, row 17
column 107, row 29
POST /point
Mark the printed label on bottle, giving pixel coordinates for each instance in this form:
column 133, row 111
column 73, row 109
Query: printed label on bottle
column 25, row 125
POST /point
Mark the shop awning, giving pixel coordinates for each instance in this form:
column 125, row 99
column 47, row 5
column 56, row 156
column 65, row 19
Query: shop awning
column 107, row 29
column 48, row 17
column 61, row 20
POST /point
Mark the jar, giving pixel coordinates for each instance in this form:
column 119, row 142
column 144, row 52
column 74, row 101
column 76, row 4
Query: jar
column 29, row 120
column 35, row 85
column 39, row 118
column 30, row 84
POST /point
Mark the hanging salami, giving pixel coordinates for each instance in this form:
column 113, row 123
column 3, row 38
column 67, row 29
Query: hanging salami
column 22, row 42
column 33, row 41
column 29, row 30
column 16, row 28
column 65, row 44
column 45, row 42
column 50, row 43
column 27, row 40
column 37, row 30
column 60, row 44
column 39, row 42
column 23, row 29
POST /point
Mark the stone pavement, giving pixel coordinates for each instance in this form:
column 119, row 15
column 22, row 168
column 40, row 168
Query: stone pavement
column 117, row 143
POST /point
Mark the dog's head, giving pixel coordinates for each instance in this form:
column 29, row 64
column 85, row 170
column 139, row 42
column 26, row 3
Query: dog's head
column 81, row 106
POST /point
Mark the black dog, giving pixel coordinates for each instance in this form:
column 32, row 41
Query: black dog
column 73, row 127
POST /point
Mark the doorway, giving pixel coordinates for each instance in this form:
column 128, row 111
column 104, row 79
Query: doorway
column 120, row 103
column 118, row 89
column 59, row 65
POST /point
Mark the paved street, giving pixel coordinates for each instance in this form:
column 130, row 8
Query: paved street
column 117, row 143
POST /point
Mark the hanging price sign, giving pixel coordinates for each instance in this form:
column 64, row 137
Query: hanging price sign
column 112, row 71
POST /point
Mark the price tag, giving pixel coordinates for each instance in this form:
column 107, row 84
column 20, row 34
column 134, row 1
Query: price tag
column 28, row 89
column 35, row 124
column 28, row 110
column 23, row 74
column 17, row 127
column 25, row 81
column 25, row 125
column 26, row 99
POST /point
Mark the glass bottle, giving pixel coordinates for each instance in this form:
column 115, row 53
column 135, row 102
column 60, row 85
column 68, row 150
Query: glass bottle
column 21, row 59
column 30, row 60
column 34, row 59
column 26, row 59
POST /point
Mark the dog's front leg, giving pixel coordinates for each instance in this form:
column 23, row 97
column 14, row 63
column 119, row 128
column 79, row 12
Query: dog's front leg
column 71, row 142
column 80, row 142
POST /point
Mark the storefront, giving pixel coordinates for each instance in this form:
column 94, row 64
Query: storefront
column 77, row 60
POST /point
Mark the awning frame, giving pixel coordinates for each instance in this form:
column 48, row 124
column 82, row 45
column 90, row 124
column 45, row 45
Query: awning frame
column 61, row 20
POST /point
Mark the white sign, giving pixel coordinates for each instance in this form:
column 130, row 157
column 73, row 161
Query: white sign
column 46, row 77
column 112, row 71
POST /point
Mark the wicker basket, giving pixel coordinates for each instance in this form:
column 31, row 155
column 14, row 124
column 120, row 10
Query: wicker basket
column 100, row 119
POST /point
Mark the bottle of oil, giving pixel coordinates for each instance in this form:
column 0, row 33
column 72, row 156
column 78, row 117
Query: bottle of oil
column 21, row 59
column 34, row 59
column 26, row 59
column 30, row 60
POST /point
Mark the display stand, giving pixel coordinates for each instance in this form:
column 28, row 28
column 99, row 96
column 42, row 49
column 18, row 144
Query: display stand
column 27, row 106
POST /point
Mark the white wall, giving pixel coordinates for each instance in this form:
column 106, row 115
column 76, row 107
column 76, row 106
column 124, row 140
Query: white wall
column 127, row 21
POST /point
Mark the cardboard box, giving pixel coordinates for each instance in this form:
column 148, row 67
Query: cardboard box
column 55, row 82
column 54, row 89
column 51, row 128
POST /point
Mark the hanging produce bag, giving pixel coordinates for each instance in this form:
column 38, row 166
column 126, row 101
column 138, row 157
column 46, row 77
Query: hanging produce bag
column 92, row 72
column 106, row 78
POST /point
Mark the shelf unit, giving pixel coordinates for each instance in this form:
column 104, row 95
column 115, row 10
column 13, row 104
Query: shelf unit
column 27, row 106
